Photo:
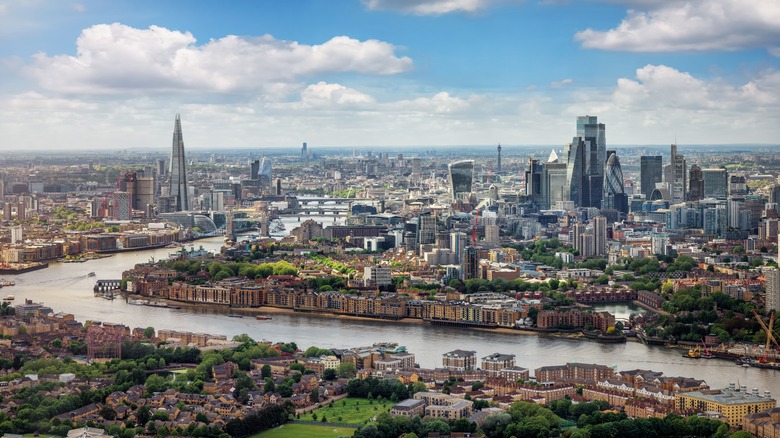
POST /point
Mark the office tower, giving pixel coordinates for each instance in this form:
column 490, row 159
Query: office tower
column 416, row 166
column 594, row 135
column 600, row 236
column 695, row 184
column 533, row 182
column 498, row 160
column 461, row 178
column 426, row 229
column 737, row 185
column 178, row 170
column 774, row 194
column 458, row 242
column 265, row 174
column 715, row 181
column 304, row 151
column 614, row 196
column 160, row 168
column 554, row 188
column 585, row 158
column 679, row 180
column 650, row 173
column 254, row 169
column 772, row 288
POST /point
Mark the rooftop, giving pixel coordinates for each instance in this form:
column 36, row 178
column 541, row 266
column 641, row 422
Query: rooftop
column 728, row 396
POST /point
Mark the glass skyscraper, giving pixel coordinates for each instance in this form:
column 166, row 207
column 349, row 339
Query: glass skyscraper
column 614, row 196
column 461, row 178
column 178, row 170
column 585, row 158
column 650, row 173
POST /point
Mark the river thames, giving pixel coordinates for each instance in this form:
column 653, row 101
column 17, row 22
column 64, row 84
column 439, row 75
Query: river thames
column 66, row 287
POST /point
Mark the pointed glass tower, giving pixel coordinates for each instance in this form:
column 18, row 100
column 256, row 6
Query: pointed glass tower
column 178, row 170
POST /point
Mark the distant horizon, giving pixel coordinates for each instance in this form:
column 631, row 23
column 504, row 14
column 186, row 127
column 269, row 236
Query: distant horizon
column 420, row 149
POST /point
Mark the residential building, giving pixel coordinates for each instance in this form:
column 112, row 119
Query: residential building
column 460, row 360
column 733, row 403
column 496, row 362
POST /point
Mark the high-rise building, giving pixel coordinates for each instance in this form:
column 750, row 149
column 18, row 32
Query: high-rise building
column 178, row 170
column 614, row 196
column 121, row 206
column 716, row 182
column 585, row 158
column 600, row 236
column 254, row 169
column 738, row 185
column 678, row 186
column 772, row 288
column 304, row 151
column 469, row 263
column 498, row 159
column 533, row 182
column 265, row 174
column 426, row 229
column 416, row 166
column 650, row 173
column 774, row 194
column 554, row 188
column 695, row 184
column 461, row 178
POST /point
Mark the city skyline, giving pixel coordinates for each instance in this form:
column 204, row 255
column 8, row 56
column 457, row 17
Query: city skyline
column 385, row 73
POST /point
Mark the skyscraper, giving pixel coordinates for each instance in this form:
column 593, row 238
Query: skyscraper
column 600, row 236
column 498, row 160
column 650, row 173
column 554, row 188
column 614, row 196
column 716, row 182
column 772, row 288
column 695, row 184
column 585, row 158
column 679, row 177
column 178, row 170
column 533, row 182
column 304, row 151
column 461, row 178
column 265, row 174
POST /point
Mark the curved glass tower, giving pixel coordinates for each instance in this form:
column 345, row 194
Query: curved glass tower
column 614, row 197
column 461, row 178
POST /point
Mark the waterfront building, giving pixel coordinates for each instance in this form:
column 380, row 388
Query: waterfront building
column 614, row 196
column 461, row 174
column 496, row 362
column 460, row 360
column 574, row 372
column 178, row 186
column 650, row 174
column 772, row 276
column 679, row 178
column 715, row 182
column 732, row 402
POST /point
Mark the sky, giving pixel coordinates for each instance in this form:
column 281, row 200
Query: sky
column 108, row 74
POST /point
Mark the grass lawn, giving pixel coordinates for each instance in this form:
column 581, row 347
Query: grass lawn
column 306, row 431
column 349, row 411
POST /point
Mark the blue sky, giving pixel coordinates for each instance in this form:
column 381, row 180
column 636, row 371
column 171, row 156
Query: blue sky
column 379, row 73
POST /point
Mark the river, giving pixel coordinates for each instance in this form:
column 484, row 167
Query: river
column 68, row 288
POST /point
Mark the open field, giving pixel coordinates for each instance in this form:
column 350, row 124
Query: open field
column 306, row 431
column 349, row 410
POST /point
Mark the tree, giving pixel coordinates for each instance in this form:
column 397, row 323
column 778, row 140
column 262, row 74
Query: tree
column 329, row 374
column 265, row 371
column 315, row 395
column 149, row 332
column 143, row 415
column 347, row 369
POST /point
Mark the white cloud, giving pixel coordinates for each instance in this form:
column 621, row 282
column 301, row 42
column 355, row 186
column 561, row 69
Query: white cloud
column 115, row 58
column 429, row 7
column 323, row 94
column 78, row 7
column 561, row 84
column 691, row 25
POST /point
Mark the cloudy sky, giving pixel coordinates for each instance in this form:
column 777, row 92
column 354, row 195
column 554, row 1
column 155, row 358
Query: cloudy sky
column 263, row 74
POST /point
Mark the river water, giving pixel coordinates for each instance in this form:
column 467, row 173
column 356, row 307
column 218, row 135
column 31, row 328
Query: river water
column 68, row 288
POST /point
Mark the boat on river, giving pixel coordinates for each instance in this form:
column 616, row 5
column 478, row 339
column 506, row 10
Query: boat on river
column 263, row 317
column 8, row 297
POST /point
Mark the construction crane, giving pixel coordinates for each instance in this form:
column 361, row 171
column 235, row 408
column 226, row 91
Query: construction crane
column 770, row 337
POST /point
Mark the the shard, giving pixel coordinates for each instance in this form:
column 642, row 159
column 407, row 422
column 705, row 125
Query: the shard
column 178, row 170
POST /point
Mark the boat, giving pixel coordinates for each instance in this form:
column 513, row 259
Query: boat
column 138, row 302
column 236, row 316
column 4, row 283
column 263, row 317
column 91, row 274
column 8, row 297
column 693, row 353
